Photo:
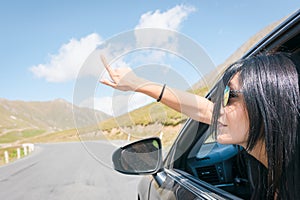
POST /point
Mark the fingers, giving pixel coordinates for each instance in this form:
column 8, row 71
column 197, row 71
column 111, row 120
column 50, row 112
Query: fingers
column 106, row 65
column 109, row 83
column 110, row 71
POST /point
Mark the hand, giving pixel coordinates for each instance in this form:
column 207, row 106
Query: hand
column 122, row 78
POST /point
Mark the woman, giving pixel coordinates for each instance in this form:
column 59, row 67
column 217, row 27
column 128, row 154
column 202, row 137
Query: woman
column 265, row 99
column 256, row 106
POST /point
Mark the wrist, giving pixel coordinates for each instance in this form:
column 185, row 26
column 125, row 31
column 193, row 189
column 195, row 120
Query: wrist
column 161, row 93
column 152, row 89
column 140, row 85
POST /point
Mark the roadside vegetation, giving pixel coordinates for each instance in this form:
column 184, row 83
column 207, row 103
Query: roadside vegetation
column 13, row 136
column 12, row 153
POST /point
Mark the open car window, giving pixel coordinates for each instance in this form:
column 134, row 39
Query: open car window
column 225, row 166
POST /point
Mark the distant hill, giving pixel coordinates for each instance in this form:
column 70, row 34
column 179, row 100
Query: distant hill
column 48, row 116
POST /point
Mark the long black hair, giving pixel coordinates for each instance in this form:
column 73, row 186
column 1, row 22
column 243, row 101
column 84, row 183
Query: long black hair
column 270, row 87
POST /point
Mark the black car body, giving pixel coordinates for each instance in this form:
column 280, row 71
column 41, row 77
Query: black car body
column 196, row 166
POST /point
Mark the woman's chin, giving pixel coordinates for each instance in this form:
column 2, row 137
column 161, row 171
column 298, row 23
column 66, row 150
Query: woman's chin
column 223, row 138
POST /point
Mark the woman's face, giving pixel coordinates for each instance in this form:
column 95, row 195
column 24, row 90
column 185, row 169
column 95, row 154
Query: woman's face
column 233, row 124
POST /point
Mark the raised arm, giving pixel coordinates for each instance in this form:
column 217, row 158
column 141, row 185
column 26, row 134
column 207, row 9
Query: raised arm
column 194, row 106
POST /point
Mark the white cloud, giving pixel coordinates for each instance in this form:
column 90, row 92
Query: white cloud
column 103, row 104
column 165, row 25
column 171, row 19
column 118, row 104
column 66, row 64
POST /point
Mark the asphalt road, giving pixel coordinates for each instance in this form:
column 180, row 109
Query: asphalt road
column 66, row 171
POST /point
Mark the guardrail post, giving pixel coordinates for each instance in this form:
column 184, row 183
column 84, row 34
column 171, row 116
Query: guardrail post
column 6, row 157
column 25, row 150
column 128, row 138
column 18, row 153
column 30, row 148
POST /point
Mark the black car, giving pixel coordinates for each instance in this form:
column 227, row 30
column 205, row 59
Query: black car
column 197, row 167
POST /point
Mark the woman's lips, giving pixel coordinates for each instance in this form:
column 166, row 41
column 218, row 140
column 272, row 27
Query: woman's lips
column 221, row 126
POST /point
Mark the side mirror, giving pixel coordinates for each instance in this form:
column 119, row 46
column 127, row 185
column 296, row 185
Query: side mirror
column 141, row 157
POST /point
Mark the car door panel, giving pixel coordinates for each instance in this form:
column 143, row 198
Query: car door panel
column 170, row 189
column 178, row 185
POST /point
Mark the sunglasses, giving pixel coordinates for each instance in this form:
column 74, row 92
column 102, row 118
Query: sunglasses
column 229, row 94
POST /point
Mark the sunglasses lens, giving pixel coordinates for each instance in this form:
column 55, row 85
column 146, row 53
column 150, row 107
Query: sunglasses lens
column 226, row 95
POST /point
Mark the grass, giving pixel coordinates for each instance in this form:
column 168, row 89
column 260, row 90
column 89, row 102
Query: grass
column 14, row 136
column 59, row 136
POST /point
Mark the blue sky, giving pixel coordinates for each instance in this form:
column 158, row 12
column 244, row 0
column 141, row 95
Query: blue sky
column 43, row 43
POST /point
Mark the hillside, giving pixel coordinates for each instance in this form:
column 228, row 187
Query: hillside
column 25, row 119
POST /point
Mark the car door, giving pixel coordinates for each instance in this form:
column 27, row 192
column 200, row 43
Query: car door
column 179, row 185
column 179, row 180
